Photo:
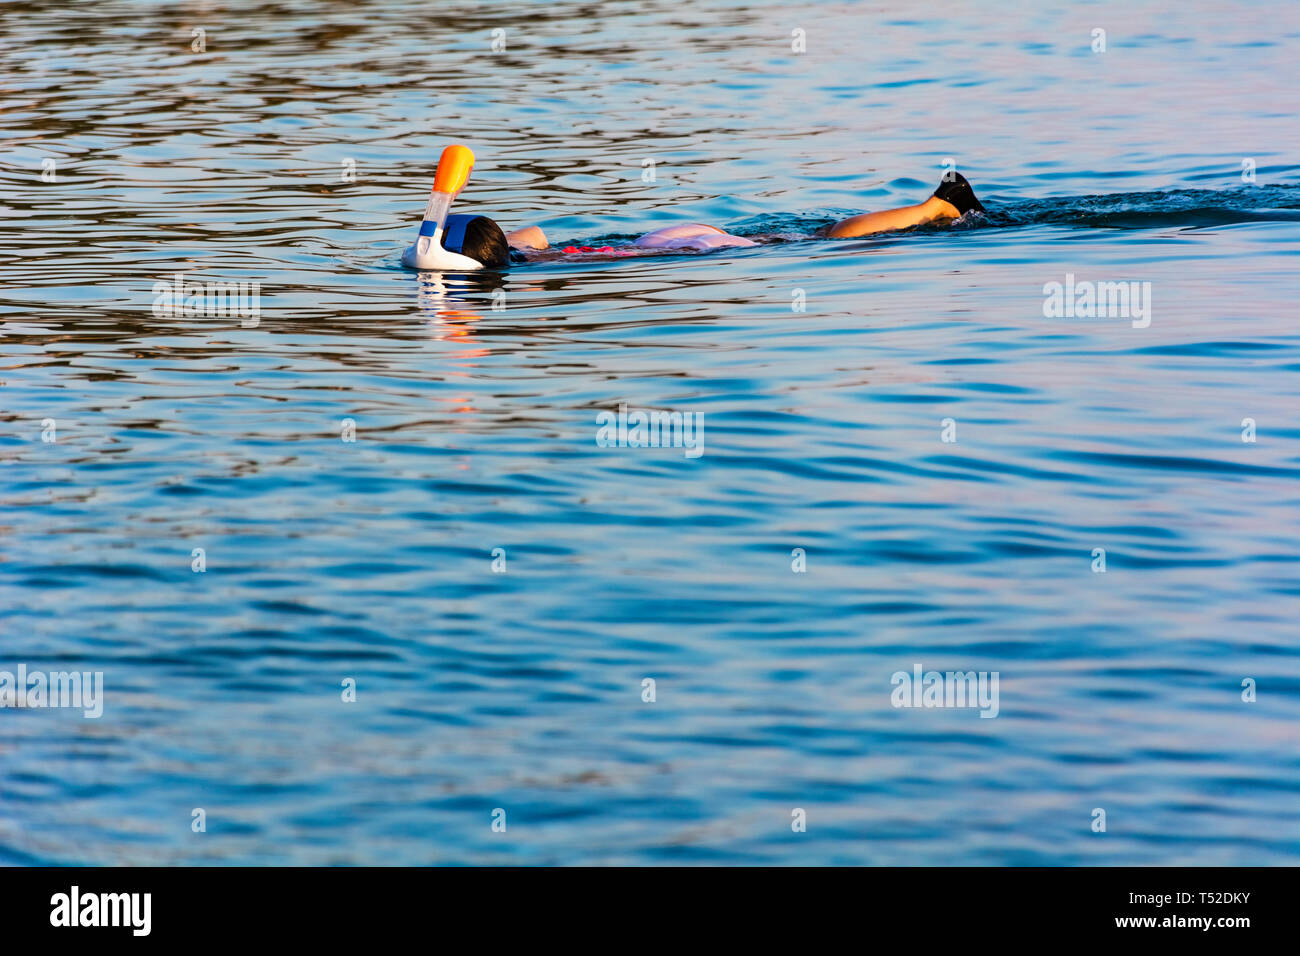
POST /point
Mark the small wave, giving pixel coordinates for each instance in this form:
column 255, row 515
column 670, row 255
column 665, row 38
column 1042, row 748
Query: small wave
column 1181, row 208
column 1158, row 209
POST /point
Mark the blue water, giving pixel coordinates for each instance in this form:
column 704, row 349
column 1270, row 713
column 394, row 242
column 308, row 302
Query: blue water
column 475, row 404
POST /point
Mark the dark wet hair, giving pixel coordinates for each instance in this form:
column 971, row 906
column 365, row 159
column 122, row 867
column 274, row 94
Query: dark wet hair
column 486, row 243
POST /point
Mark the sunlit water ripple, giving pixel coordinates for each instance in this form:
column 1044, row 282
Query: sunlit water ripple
column 476, row 430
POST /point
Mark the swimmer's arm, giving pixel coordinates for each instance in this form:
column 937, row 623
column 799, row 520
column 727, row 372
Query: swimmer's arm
column 529, row 237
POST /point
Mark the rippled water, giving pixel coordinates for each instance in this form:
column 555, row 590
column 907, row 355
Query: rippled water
column 475, row 416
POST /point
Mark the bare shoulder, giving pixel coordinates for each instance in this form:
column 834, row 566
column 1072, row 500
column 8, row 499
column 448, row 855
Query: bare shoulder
column 529, row 237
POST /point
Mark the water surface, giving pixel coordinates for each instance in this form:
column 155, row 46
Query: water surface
column 475, row 402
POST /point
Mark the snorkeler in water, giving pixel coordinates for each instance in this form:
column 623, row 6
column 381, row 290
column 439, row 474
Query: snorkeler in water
column 455, row 243
column 952, row 200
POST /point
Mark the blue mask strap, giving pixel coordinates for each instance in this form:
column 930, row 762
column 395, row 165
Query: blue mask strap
column 453, row 238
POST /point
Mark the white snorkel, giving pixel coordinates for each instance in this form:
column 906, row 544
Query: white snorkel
column 429, row 251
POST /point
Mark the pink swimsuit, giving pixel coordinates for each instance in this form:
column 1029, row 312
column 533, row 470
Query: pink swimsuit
column 692, row 235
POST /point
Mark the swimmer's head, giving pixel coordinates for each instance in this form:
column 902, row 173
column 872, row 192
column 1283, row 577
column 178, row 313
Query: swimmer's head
column 479, row 238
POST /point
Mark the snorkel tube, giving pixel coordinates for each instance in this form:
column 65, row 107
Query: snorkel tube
column 429, row 251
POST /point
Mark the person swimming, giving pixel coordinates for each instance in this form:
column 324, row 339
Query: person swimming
column 952, row 200
column 469, row 242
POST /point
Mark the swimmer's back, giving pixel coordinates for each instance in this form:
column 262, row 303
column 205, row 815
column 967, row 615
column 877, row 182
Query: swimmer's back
column 691, row 235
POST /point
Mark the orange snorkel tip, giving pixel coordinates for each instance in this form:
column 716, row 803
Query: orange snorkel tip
column 454, row 167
